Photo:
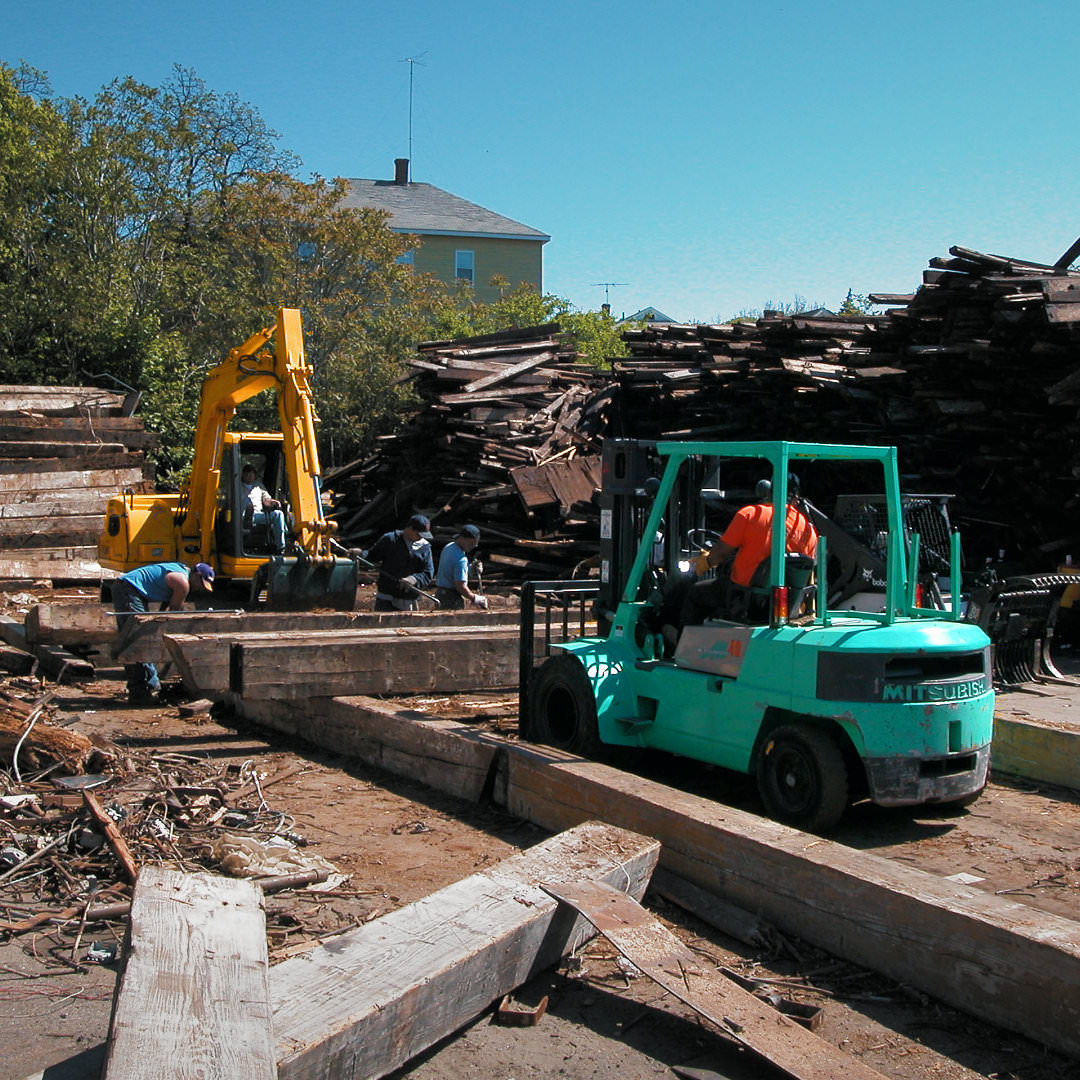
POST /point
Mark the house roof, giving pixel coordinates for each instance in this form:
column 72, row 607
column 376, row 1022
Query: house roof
column 430, row 211
column 647, row 314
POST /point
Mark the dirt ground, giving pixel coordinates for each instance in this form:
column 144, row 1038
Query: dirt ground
column 396, row 841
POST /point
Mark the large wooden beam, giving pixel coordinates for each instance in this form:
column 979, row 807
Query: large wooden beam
column 379, row 995
column 147, row 644
column 446, row 755
column 55, row 563
column 405, row 661
column 1004, row 962
column 193, row 1000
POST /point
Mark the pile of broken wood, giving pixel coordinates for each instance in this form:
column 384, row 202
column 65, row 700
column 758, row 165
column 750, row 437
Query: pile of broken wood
column 507, row 438
column 80, row 817
column 973, row 376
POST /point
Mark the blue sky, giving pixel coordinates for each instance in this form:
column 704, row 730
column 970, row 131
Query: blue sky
column 712, row 157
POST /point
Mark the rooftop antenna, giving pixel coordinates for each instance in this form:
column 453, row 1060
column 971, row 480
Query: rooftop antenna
column 607, row 287
column 412, row 61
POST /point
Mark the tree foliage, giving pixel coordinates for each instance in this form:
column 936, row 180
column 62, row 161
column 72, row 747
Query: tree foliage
column 145, row 233
column 594, row 334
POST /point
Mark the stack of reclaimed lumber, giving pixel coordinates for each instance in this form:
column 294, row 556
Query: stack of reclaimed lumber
column 507, row 438
column 974, row 377
column 64, row 450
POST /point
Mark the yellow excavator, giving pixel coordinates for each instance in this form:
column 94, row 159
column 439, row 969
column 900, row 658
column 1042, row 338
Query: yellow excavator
column 206, row 521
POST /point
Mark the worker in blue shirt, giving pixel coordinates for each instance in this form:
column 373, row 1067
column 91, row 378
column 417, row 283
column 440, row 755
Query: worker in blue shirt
column 166, row 584
column 452, row 582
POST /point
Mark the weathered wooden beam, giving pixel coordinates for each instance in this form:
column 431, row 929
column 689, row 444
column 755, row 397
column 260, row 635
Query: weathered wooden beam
column 379, row 995
column 17, row 483
column 1004, row 962
column 654, row 949
column 78, row 623
column 193, row 998
column 441, row 660
column 447, row 755
column 58, row 564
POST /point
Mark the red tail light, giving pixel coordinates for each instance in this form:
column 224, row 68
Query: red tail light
column 779, row 605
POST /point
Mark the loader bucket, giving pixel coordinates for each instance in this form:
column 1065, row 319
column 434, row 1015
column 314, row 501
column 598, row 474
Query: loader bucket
column 303, row 584
column 1018, row 614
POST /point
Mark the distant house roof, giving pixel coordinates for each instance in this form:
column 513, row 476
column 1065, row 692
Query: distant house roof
column 647, row 314
column 429, row 211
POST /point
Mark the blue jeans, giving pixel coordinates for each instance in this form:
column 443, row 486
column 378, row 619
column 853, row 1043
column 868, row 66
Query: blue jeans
column 274, row 520
column 142, row 679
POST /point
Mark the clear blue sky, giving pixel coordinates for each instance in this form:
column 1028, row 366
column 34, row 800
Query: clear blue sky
column 713, row 156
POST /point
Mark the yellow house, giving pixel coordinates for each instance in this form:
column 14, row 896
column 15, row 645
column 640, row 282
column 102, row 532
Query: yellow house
column 461, row 241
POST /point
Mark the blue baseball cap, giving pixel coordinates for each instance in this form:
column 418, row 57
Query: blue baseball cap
column 206, row 572
column 469, row 530
column 421, row 525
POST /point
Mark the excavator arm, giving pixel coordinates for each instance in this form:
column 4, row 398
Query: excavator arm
column 249, row 370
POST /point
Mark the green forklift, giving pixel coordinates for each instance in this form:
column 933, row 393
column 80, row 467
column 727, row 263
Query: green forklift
column 829, row 679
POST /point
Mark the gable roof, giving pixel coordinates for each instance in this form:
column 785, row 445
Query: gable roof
column 427, row 210
column 647, row 314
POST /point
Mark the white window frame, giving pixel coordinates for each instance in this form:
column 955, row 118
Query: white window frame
column 465, row 265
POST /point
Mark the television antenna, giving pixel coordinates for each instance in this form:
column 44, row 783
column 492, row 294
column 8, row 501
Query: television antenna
column 607, row 286
column 412, row 61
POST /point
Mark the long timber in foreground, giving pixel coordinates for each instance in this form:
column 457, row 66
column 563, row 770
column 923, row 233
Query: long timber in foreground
column 1004, row 962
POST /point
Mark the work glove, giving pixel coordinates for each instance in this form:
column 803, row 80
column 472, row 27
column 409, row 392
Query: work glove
column 408, row 584
column 480, row 601
column 701, row 564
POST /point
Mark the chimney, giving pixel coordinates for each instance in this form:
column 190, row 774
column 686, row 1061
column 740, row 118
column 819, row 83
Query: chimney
column 401, row 171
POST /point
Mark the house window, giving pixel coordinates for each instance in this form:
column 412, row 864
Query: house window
column 464, row 265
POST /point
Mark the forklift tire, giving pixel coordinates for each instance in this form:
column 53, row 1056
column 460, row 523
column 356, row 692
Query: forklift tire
column 802, row 778
column 562, row 708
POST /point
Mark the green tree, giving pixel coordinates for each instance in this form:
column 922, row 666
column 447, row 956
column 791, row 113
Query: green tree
column 594, row 334
column 856, row 306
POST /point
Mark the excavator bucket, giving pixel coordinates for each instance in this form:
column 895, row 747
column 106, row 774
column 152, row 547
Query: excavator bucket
column 301, row 584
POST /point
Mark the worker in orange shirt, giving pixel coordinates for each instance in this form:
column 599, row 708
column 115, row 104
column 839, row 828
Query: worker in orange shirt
column 749, row 539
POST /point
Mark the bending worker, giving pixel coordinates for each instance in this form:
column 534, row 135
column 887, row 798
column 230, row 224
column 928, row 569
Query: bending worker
column 405, row 565
column 452, row 583
column 167, row 584
column 749, row 539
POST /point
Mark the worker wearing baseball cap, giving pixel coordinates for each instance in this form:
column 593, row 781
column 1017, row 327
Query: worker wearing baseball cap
column 167, row 584
column 452, row 583
column 405, row 564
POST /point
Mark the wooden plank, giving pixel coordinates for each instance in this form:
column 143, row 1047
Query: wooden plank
column 654, row 949
column 43, row 471
column 381, row 994
column 1036, row 751
column 24, row 448
column 56, row 564
column 509, row 372
column 19, row 398
column 116, row 478
column 193, row 1000
column 983, row 954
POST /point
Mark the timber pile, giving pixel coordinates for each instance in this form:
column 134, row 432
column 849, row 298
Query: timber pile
column 508, row 438
column 973, row 376
column 64, row 451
